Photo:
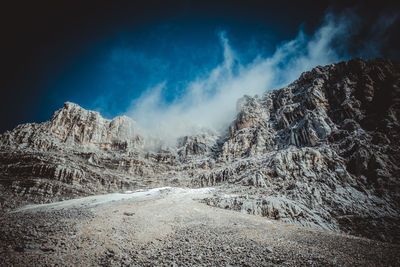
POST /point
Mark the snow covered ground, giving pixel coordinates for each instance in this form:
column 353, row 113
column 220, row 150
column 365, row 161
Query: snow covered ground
column 130, row 196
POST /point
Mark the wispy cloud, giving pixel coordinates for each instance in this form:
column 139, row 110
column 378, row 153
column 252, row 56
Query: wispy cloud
column 209, row 101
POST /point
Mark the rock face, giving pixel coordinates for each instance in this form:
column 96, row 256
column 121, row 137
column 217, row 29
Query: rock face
column 321, row 152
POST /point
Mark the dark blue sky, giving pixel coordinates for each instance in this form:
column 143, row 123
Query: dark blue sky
column 103, row 55
column 117, row 70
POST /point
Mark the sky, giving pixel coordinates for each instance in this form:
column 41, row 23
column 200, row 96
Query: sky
column 175, row 66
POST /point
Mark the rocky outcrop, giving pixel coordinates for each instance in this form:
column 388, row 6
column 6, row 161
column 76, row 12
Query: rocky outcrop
column 74, row 126
column 321, row 152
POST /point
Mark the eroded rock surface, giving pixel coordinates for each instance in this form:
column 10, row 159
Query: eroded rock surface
column 171, row 228
column 321, row 152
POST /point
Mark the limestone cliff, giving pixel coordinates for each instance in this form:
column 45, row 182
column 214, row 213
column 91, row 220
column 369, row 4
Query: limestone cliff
column 321, row 152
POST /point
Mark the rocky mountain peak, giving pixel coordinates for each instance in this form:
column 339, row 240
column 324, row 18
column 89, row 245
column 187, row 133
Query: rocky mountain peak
column 73, row 127
column 321, row 152
column 72, row 113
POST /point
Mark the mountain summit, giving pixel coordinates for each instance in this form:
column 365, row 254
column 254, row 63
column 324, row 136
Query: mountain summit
column 321, row 152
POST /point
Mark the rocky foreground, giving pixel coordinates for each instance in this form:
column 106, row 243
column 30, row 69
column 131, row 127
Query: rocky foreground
column 171, row 227
column 322, row 152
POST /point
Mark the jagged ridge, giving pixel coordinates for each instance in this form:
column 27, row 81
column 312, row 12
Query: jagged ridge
column 321, row 152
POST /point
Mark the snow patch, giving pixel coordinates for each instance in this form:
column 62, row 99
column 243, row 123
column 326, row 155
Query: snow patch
column 131, row 196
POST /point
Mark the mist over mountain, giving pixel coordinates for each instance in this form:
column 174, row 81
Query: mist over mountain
column 109, row 56
column 210, row 100
column 257, row 134
column 321, row 152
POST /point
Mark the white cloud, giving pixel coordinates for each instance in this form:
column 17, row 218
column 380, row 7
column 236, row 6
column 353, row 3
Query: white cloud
column 209, row 102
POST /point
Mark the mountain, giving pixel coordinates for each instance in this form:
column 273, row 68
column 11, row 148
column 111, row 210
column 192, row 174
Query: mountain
column 321, row 152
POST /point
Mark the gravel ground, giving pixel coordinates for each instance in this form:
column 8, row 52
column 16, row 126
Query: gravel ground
column 173, row 228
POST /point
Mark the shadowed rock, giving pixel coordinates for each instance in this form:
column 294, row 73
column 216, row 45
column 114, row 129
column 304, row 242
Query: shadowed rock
column 321, row 152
